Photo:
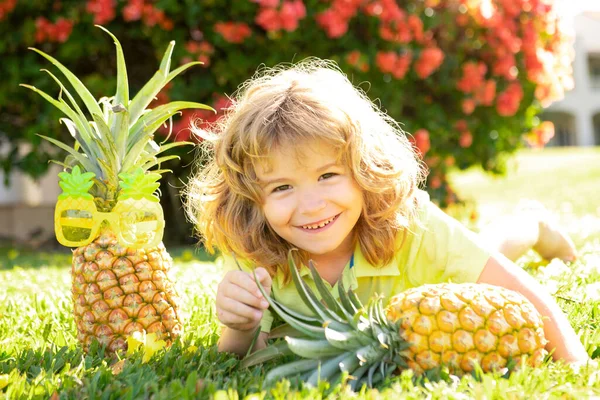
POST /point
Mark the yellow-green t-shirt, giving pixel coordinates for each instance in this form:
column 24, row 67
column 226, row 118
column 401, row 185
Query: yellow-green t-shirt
column 436, row 249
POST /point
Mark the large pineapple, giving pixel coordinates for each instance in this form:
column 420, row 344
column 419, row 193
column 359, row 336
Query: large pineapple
column 110, row 210
column 458, row 326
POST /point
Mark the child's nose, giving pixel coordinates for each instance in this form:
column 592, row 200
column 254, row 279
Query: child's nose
column 311, row 203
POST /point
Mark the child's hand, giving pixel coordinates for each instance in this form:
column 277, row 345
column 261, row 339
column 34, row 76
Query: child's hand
column 240, row 304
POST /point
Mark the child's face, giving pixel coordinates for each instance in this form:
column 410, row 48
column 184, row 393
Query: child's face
column 311, row 200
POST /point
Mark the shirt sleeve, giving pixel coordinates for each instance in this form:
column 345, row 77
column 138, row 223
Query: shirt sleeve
column 444, row 250
column 227, row 263
column 466, row 254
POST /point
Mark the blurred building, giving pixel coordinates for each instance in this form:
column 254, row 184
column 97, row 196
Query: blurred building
column 576, row 118
column 27, row 205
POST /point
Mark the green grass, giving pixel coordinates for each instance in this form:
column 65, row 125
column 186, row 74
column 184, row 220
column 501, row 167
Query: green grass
column 40, row 357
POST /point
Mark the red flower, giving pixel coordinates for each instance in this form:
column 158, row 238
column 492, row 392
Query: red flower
column 430, row 60
column 63, row 28
column 291, row 12
column 486, row 93
column 57, row 32
column 468, row 106
column 540, row 135
column 41, row 28
column 461, row 125
column 133, row 10
column 201, row 50
column 233, row 32
column 346, row 8
column 506, row 67
column 421, row 140
column 402, row 65
column 353, row 57
column 386, row 61
column 416, row 25
column 103, row 10
column 465, row 140
column 472, row 76
column 334, row 24
column 391, row 63
column 6, row 7
column 508, row 102
column 435, row 182
column 268, row 19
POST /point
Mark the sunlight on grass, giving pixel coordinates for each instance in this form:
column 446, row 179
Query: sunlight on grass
column 40, row 357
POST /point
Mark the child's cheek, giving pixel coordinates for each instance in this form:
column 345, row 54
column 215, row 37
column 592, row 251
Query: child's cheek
column 278, row 212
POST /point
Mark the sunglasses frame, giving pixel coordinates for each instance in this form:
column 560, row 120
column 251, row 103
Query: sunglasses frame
column 113, row 218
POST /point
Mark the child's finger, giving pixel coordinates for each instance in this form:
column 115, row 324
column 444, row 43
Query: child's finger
column 232, row 320
column 237, row 293
column 241, row 309
column 264, row 278
column 245, row 281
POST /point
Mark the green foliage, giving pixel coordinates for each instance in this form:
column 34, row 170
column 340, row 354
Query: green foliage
column 413, row 59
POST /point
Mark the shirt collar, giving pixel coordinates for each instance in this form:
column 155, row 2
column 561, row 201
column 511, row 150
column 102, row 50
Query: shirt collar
column 304, row 271
column 361, row 269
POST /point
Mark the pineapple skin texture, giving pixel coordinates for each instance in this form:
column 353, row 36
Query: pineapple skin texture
column 118, row 290
column 461, row 325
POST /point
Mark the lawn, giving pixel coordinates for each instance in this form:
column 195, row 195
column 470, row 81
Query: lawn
column 40, row 358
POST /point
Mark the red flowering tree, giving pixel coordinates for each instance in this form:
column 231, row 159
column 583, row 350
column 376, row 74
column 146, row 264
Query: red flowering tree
column 466, row 78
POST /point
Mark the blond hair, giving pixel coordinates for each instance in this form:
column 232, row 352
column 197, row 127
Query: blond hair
column 297, row 104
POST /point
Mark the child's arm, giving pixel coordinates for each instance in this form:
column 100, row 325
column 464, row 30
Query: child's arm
column 238, row 342
column 240, row 307
column 561, row 337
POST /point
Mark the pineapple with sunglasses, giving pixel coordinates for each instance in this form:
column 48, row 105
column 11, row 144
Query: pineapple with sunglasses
column 110, row 211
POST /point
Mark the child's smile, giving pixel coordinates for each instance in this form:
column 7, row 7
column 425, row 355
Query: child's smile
column 311, row 199
column 321, row 225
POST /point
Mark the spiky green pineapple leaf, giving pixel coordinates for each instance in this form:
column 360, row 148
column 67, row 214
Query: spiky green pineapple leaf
column 138, row 185
column 115, row 135
column 155, row 84
column 122, row 95
column 151, row 121
column 80, row 88
column 76, row 184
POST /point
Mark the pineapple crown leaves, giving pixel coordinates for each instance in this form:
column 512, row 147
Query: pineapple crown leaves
column 76, row 184
column 138, row 185
column 342, row 336
column 119, row 135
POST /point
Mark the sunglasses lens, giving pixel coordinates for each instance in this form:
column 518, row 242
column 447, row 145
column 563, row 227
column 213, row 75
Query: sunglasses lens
column 139, row 227
column 76, row 225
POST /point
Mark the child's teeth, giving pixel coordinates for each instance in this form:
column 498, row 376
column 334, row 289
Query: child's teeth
column 319, row 225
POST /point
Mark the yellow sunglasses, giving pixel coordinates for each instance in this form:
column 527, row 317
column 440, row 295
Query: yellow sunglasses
column 137, row 223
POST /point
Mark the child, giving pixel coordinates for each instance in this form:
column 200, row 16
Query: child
column 305, row 160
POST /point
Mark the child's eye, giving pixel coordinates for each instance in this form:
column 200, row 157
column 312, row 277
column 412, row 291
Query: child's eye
column 281, row 188
column 328, row 175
